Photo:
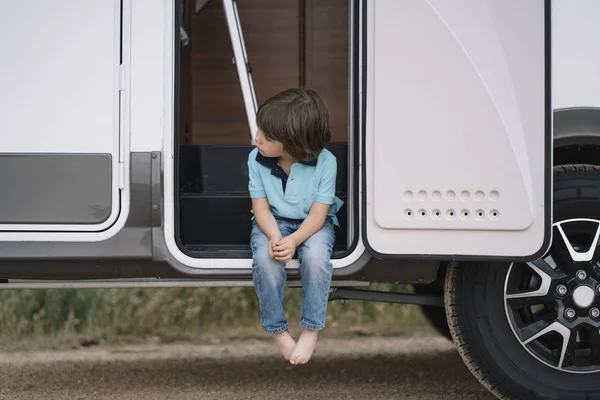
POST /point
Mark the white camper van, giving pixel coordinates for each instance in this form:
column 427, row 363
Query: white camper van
column 468, row 154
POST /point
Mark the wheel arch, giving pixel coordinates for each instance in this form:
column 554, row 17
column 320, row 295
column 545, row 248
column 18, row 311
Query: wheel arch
column 577, row 136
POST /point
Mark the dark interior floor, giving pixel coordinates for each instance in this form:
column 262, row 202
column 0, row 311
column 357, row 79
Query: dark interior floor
column 214, row 207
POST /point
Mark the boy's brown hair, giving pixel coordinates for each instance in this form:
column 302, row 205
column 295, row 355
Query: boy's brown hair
column 299, row 119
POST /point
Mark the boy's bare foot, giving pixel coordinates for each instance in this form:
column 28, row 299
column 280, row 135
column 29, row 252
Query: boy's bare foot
column 305, row 347
column 285, row 342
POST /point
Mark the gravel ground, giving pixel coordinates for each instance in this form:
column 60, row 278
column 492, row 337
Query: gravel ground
column 365, row 368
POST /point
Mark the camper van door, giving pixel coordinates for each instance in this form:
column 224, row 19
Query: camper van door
column 64, row 119
column 457, row 149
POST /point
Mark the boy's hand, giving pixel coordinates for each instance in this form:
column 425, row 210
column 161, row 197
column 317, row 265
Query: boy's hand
column 285, row 249
column 272, row 242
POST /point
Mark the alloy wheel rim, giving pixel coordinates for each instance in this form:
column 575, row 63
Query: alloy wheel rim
column 553, row 304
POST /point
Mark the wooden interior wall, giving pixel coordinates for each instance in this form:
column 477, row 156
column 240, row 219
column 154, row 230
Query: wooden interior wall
column 185, row 93
column 327, row 59
column 290, row 43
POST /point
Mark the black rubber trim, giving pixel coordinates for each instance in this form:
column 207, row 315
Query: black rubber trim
column 547, row 175
column 121, row 33
column 356, row 128
column 176, row 112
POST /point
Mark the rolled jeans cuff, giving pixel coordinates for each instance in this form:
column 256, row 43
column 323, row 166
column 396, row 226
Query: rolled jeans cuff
column 310, row 326
column 276, row 331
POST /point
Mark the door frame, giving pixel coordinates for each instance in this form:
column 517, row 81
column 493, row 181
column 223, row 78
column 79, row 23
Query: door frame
column 356, row 250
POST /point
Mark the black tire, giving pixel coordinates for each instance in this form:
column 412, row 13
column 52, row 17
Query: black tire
column 475, row 306
column 435, row 315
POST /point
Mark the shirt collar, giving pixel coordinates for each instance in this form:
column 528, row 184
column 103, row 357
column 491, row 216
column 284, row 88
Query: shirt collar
column 271, row 162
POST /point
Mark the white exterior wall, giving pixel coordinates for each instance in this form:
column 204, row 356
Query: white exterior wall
column 575, row 54
column 575, row 77
column 575, row 80
column 147, row 74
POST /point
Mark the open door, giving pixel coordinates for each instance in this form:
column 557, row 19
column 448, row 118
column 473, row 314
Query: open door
column 457, row 149
column 64, row 148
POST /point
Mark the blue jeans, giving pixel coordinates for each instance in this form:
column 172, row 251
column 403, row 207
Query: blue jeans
column 315, row 271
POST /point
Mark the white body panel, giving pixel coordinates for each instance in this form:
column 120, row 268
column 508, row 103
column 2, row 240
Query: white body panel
column 575, row 84
column 147, row 73
column 575, row 54
column 60, row 83
column 455, row 150
column 59, row 76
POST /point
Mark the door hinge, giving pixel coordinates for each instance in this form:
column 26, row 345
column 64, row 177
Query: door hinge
column 122, row 78
column 121, row 175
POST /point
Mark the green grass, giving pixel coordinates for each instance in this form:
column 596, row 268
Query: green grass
column 71, row 318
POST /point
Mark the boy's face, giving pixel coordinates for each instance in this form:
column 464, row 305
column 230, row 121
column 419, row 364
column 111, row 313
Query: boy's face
column 266, row 147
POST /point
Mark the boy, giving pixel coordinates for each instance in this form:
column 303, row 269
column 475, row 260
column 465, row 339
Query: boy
column 292, row 186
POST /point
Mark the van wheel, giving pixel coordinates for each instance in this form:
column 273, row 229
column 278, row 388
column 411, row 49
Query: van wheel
column 532, row 330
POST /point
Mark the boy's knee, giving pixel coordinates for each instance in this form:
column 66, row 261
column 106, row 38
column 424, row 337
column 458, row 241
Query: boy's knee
column 316, row 250
column 316, row 257
column 260, row 247
column 261, row 258
column 317, row 261
column 322, row 241
column 267, row 268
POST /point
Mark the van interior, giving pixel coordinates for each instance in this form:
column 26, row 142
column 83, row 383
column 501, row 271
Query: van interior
column 289, row 43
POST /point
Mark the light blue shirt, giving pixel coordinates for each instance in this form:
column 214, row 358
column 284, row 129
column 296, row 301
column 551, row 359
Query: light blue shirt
column 292, row 196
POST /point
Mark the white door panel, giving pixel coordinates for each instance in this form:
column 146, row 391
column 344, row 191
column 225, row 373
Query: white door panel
column 59, row 66
column 456, row 127
column 65, row 105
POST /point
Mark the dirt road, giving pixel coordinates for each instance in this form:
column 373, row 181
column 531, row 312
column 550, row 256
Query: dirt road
column 368, row 368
